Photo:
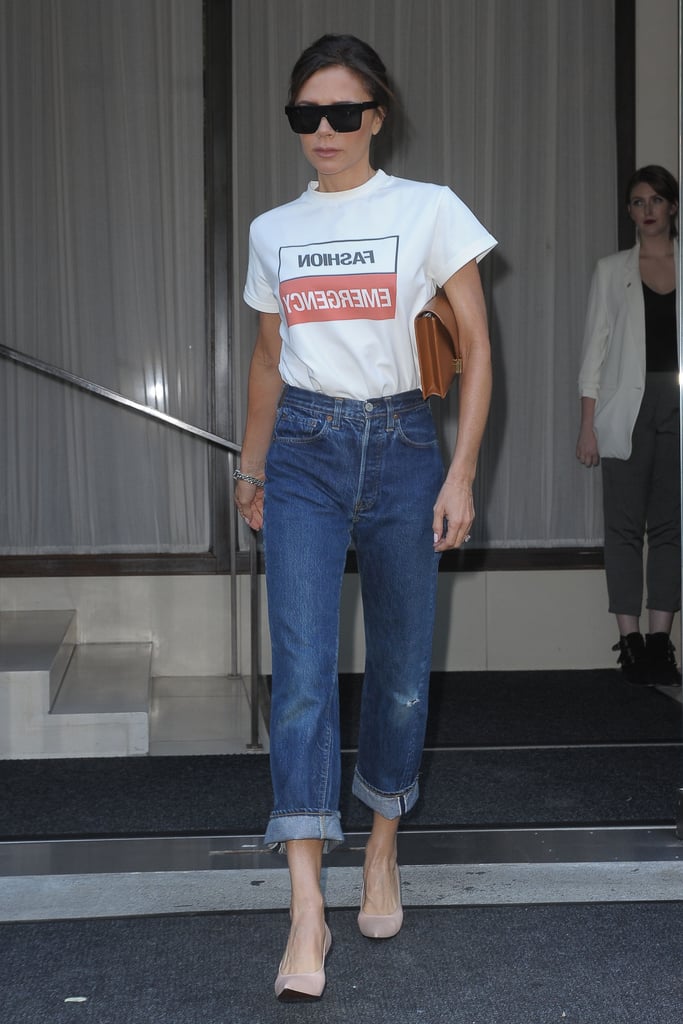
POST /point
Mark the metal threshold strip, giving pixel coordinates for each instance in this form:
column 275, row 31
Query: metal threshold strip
column 557, row 845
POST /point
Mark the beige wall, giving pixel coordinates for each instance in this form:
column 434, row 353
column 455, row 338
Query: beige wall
column 657, row 127
column 496, row 620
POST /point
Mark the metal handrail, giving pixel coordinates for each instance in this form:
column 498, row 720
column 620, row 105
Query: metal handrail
column 67, row 377
column 58, row 373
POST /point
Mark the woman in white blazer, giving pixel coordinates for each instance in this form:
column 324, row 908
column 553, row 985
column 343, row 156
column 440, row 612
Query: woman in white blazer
column 629, row 388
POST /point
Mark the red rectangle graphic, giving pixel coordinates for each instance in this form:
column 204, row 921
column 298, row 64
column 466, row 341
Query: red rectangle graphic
column 323, row 299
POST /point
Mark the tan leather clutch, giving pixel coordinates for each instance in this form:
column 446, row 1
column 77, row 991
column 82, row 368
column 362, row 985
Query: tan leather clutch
column 438, row 349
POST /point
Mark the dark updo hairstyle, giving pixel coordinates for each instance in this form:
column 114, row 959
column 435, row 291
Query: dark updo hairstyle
column 344, row 51
column 664, row 184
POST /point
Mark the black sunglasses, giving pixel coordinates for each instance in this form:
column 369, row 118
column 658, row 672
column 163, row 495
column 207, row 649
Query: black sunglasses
column 341, row 117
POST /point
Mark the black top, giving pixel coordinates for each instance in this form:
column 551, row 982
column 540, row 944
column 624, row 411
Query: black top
column 661, row 343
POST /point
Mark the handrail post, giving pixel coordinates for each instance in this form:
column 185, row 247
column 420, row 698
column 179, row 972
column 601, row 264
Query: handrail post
column 232, row 541
column 254, row 619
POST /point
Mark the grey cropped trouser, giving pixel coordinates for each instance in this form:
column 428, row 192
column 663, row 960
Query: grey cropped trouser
column 642, row 494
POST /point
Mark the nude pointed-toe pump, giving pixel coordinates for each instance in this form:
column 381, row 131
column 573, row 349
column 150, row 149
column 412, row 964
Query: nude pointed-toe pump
column 381, row 926
column 301, row 987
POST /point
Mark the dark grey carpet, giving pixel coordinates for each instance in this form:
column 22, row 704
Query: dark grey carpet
column 232, row 794
column 462, row 785
column 478, row 709
column 576, row 964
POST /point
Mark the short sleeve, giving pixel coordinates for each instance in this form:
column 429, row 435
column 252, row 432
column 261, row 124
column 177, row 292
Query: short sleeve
column 258, row 289
column 458, row 237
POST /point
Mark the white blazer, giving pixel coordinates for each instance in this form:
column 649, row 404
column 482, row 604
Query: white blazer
column 613, row 362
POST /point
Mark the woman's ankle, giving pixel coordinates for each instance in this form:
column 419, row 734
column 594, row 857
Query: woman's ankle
column 308, row 907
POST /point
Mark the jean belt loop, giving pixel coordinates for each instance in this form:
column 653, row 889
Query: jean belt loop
column 336, row 420
column 390, row 413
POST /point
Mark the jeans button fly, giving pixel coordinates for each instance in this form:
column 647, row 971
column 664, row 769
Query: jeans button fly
column 368, row 406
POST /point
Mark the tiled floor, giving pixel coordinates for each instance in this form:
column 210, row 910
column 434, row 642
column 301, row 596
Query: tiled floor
column 201, row 715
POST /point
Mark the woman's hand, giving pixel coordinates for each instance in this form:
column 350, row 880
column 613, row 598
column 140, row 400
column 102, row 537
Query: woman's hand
column 587, row 444
column 587, row 447
column 453, row 512
column 249, row 504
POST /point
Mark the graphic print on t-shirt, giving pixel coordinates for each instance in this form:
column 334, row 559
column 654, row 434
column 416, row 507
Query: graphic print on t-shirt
column 341, row 280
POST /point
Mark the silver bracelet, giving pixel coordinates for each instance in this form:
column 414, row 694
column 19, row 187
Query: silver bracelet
column 256, row 481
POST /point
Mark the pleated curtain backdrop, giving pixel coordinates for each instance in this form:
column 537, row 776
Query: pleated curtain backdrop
column 102, row 242
column 102, row 247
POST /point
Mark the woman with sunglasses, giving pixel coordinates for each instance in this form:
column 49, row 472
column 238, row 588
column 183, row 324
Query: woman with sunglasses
column 339, row 448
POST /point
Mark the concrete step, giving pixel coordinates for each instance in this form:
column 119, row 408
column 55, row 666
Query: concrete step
column 59, row 699
column 106, row 679
column 35, row 650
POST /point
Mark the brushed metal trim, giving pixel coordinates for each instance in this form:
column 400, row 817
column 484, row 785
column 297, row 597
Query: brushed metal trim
column 467, row 846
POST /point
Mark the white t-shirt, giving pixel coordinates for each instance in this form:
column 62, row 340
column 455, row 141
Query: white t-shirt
column 348, row 271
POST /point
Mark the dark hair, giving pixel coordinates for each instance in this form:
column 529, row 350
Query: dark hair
column 664, row 184
column 346, row 52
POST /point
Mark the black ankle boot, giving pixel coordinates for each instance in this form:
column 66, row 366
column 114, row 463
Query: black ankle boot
column 632, row 658
column 661, row 660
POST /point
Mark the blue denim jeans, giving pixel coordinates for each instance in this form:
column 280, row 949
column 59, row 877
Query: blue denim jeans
column 341, row 472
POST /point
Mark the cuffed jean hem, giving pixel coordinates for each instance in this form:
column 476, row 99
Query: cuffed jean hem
column 389, row 805
column 284, row 827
